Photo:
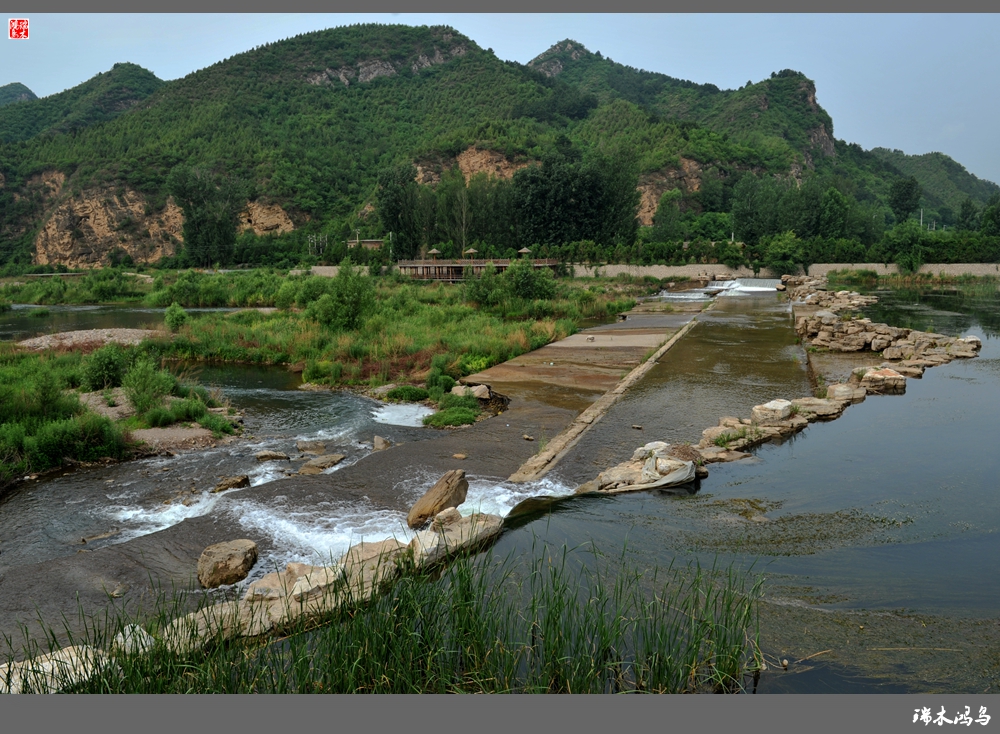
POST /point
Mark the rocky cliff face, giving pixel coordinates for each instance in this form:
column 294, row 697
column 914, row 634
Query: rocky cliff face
column 366, row 70
column 470, row 161
column 653, row 185
column 83, row 230
column 265, row 219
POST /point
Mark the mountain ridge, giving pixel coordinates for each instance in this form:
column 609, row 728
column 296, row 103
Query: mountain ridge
column 310, row 121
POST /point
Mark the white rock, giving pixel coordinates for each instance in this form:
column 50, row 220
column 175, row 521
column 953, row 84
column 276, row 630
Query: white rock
column 776, row 410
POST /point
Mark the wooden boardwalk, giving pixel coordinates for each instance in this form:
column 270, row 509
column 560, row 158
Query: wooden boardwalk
column 454, row 271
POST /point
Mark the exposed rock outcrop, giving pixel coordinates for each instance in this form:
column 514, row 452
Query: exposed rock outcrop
column 265, row 219
column 82, row 231
column 227, row 483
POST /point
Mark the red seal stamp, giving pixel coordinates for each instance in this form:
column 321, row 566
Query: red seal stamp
column 18, row 28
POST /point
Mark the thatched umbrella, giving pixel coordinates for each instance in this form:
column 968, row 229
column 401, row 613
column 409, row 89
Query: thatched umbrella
column 470, row 251
column 435, row 252
column 524, row 251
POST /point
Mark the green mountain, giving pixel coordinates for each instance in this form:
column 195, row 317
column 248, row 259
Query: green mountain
column 945, row 182
column 15, row 92
column 778, row 116
column 97, row 100
column 317, row 134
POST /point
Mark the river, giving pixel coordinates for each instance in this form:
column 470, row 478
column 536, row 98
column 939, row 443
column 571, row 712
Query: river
column 885, row 519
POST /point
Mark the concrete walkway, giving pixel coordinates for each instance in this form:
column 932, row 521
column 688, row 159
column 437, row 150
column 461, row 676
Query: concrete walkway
column 596, row 365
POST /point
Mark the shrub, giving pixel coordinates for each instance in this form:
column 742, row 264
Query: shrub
column 188, row 410
column 451, row 417
column 158, row 417
column 145, row 386
column 286, row 296
column 216, row 423
column 39, row 312
column 106, row 367
column 446, row 383
column 459, row 401
column 407, row 393
column 175, row 317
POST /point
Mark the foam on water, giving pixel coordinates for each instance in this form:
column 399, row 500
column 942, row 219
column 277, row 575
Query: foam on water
column 146, row 520
column 321, row 534
column 401, row 415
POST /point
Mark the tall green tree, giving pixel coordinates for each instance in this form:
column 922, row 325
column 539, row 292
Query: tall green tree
column 904, row 197
column 211, row 205
column 968, row 216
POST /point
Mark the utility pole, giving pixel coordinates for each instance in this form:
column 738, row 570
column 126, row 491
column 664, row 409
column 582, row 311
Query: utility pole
column 921, row 217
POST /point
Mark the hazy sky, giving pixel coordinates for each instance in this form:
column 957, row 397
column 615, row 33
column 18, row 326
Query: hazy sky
column 920, row 83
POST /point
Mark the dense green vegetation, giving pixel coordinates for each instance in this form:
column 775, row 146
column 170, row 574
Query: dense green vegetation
column 15, row 92
column 549, row 622
column 355, row 131
column 97, row 100
column 945, row 182
column 44, row 425
column 40, row 425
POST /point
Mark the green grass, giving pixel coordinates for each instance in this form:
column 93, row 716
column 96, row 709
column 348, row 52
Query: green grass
column 451, row 417
column 545, row 623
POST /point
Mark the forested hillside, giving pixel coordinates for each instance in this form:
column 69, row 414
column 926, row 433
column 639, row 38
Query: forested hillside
column 97, row 100
column 421, row 136
column 15, row 92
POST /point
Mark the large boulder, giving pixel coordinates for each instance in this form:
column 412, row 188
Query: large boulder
column 226, row 563
column 776, row 410
column 449, row 491
column 380, row 444
column 815, row 408
column 321, row 463
column 268, row 455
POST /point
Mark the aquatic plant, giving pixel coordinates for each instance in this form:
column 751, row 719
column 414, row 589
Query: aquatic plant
column 550, row 622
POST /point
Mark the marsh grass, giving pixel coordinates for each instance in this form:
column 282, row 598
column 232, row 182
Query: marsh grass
column 545, row 623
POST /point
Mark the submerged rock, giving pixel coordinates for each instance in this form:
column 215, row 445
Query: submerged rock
column 449, row 491
column 237, row 482
column 321, row 463
column 311, row 447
